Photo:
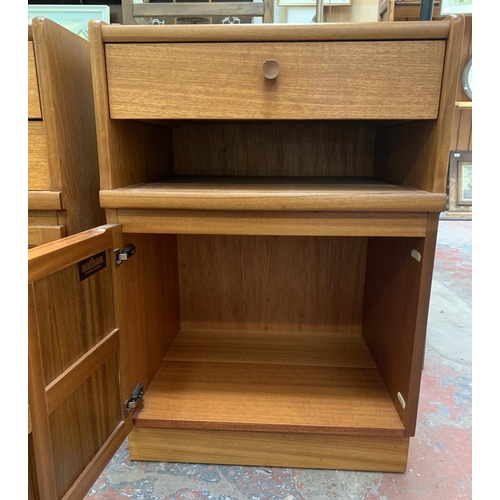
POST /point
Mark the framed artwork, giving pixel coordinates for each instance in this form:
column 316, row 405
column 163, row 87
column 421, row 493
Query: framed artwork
column 311, row 3
column 460, row 183
column 75, row 18
column 447, row 7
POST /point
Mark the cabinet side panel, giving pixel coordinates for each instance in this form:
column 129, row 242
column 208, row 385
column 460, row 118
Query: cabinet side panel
column 149, row 303
column 397, row 292
column 416, row 153
column 272, row 282
column 63, row 66
column 129, row 151
column 334, row 148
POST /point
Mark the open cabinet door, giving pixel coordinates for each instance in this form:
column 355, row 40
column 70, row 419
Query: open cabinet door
column 77, row 366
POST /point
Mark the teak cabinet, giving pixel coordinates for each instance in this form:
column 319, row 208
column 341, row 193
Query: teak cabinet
column 266, row 267
column 63, row 170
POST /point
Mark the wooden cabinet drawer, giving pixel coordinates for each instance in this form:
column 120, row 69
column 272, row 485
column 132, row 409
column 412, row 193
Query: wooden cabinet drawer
column 34, row 110
column 38, row 160
column 316, row 80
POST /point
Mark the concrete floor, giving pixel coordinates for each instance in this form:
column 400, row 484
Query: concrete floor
column 440, row 461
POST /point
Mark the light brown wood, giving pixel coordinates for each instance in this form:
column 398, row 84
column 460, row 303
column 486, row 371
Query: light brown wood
column 422, row 161
column 280, row 32
column 267, row 148
column 42, row 218
column 42, row 450
column 38, row 157
column 39, row 235
column 34, row 110
column 280, row 397
column 271, row 283
column 129, row 152
column 266, row 347
column 316, row 451
column 64, row 80
column 273, row 223
column 357, row 70
column 149, row 303
column 274, row 193
column 394, row 322
column 33, row 490
column 60, row 254
column 44, row 200
column 92, row 471
column 77, row 401
column 81, row 425
column 461, row 135
column 61, row 387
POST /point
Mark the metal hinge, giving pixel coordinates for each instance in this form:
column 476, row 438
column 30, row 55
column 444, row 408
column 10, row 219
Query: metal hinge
column 122, row 254
column 132, row 400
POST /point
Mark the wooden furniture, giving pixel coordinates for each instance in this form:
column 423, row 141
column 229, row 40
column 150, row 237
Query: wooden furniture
column 266, row 267
column 63, row 172
column 461, row 135
column 199, row 12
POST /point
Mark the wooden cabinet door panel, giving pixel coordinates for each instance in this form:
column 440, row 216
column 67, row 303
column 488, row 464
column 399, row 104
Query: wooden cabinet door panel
column 76, row 371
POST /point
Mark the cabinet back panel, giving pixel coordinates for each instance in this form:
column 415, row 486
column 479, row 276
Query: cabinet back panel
column 337, row 148
column 273, row 283
column 64, row 335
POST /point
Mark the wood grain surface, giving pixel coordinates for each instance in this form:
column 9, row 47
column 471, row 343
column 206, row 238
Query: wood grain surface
column 271, row 283
column 38, row 158
column 129, row 151
column 274, row 193
column 266, row 347
column 148, row 304
column 280, row 397
column 187, row 80
column 64, row 79
column 276, row 32
column 39, row 235
column 34, row 110
column 316, row 451
column 273, row 223
column 270, row 148
column 67, row 333
column 44, row 200
column 416, row 153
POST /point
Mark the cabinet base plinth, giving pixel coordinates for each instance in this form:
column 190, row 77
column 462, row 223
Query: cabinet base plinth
column 311, row 451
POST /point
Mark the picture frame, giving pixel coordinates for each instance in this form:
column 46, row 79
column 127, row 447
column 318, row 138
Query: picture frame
column 447, row 7
column 75, row 18
column 312, row 3
column 460, row 184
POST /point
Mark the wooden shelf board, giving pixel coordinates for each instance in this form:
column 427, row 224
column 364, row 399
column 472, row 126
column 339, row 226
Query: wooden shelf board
column 273, row 193
column 270, row 381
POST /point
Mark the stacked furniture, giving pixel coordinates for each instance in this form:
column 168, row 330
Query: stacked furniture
column 63, row 172
column 259, row 294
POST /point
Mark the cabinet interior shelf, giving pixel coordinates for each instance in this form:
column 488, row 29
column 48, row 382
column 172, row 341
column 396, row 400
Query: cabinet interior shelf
column 270, row 381
column 273, row 193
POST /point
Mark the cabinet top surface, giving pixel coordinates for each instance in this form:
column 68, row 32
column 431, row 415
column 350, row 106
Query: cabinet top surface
column 413, row 30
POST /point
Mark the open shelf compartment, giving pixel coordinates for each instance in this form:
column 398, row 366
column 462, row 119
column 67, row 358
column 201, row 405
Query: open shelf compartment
column 270, row 381
column 248, row 338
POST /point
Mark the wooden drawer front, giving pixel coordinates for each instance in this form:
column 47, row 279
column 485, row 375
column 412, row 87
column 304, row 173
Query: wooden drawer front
column 38, row 161
column 317, row 80
column 34, row 110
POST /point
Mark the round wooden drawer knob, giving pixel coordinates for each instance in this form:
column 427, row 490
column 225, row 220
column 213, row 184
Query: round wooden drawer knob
column 271, row 69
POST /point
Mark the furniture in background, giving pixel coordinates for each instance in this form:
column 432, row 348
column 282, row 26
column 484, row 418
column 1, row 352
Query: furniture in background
column 63, row 172
column 259, row 295
column 186, row 12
